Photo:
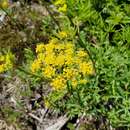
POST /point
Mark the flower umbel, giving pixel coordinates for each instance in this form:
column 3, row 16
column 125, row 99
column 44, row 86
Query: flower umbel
column 61, row 5
column 6, row 62
column 60, row 62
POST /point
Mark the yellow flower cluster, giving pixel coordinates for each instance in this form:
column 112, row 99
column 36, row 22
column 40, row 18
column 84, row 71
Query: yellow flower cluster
column 61, row 4
column 62, row 34
column 61, row 62
column 6, row 62
column 4, row 4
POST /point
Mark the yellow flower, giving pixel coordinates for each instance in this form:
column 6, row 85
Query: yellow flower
column 86, row 68
column 60, row 2
column 69, row 73
column 81, row 53
column 6, row 62
column 77, row 60
column 49, row 48
column 4, row 4
column 53, row 40
column 69, row 45
column 83, row 81
column 41, row 57
column 49, row 59
column 69, row 59
column 60, row 60
column 9, row 58
column 61, row 5
column 49, row 71
column 2, row 58
column 36, row 65
column 40, row 48
column 74, row 82
column 58, row 83
column 2, row 68
column 47, row 104
column 69, row 51
column 63, row 8
column 59, row 49
column 62, row 34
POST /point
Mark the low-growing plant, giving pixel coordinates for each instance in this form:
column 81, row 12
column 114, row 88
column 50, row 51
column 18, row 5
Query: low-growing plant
column 84, row 61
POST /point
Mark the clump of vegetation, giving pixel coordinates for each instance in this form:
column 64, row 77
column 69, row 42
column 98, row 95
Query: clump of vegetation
column 81, row 52
column 59, row 62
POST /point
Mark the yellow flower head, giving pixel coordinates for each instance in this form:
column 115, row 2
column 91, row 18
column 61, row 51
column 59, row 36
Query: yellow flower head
column 4, row 4
column 40, row 48
column 49, row 58
column 58, row 83
column 86, row 68
column 41, row 57
column 74, row 82
column 60, row 2
column 61, row 5
column 62, row 34
column 69, row 73
column 83, row 81
column 61, row 62
column 69, row 59
column 69, row 45
column 81, row 53
column 49, row 47
column 47, row 104
column 36, row 65
column 2, row 68
column 63, row 8
column 6, row 62
column 49, row 71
